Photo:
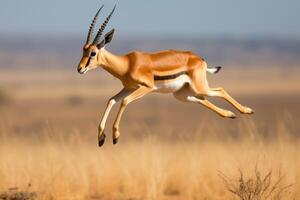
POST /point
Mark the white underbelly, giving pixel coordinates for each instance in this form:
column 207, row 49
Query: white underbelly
column 170, row 86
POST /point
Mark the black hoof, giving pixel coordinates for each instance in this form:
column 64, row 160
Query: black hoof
column 233, row 117
column 101, row 140
column 115, row 140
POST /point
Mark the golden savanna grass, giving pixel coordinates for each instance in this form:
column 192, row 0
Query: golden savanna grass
column 167, row 150
column 147, row 168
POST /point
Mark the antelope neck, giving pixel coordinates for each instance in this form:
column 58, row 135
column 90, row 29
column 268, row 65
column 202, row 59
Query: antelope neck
column 115, row 65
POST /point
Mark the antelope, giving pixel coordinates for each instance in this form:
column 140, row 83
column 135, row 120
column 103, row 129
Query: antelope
column 181, row 73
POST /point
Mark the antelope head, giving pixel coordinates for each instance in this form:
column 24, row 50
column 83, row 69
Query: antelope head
column 92, row 50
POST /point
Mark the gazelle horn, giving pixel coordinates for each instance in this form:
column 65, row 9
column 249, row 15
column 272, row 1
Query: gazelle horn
column 92, row 26
column 101, row 29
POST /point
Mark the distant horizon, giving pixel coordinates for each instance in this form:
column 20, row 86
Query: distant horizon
column 244, row 52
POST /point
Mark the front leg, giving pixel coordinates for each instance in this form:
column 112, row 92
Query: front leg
column 136, row 94
column 112, row 101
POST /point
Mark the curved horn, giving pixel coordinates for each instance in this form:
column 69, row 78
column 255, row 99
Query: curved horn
column 92, row 26
column 101, row 29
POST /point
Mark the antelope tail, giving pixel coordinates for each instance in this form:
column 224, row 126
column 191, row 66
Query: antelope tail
column 213, row 70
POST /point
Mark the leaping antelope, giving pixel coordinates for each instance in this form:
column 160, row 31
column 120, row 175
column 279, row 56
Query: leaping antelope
column 181, row 73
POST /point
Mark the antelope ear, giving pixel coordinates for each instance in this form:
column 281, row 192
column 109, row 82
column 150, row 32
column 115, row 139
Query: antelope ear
column 107, row 39
column 109, row 36
column 101, row 44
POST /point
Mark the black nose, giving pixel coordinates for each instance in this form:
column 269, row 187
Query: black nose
column 79, row 69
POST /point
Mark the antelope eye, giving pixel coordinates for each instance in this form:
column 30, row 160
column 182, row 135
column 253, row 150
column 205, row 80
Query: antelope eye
column 93, row 54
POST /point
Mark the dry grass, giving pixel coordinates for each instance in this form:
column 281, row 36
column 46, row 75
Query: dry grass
column 150, row 168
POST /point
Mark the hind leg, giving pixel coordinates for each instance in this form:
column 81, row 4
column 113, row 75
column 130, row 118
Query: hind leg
column 186, row 94
column 208, row 104
column 220, row 92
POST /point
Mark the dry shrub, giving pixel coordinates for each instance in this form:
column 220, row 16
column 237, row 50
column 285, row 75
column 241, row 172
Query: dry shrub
column 258, row 187
column 16, row 194
column 4, row 97
column 74, row 100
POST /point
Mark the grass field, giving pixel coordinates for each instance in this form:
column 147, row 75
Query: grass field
column 48, row 140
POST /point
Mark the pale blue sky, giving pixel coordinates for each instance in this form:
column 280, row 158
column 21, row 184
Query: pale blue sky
column 154, row 18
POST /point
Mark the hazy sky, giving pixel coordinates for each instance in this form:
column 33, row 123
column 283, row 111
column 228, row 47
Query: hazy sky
column 186, row 18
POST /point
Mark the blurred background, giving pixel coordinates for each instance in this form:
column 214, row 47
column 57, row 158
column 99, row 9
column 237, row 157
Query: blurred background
column 44, row 99
column 257, row 43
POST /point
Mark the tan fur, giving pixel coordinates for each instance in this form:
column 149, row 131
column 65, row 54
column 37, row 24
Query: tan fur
column 136, row 71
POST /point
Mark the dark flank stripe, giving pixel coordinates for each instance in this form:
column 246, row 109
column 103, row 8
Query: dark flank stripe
column 173, row 76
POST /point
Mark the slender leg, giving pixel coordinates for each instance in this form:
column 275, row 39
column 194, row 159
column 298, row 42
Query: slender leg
column 187, row 94
column 112, row 101
column 220, row 92
column 220, row 111
column 136, row 94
